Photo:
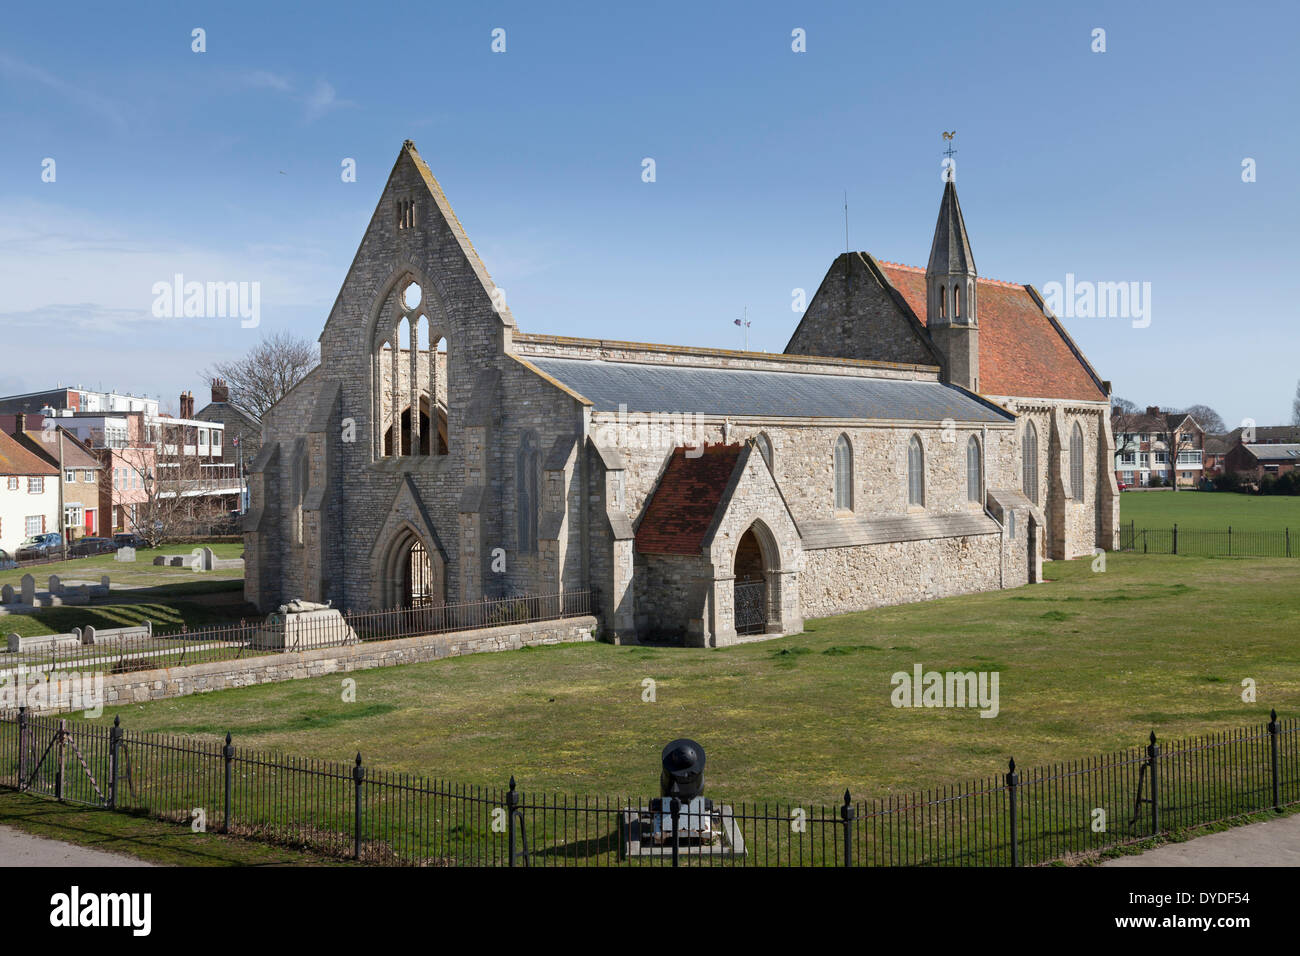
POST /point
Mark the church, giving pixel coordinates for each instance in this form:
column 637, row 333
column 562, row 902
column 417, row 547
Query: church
column 927, row 432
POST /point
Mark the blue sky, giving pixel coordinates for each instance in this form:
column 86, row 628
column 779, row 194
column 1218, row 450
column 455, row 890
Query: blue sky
column 225, row 166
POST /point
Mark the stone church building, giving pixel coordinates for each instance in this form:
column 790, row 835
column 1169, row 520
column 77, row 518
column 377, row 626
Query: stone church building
column 927, row 432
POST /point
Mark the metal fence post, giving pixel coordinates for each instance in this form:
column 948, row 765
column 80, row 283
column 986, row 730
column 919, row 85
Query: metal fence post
column 512, row 803
column 358, row 775
column 114, row 748
column 675, row 808
column 228, row 755
column 1175, row 538
column 1229, row 540
column 1288, row 542
column 22, row 748
column 1153, row 756
column 1013, row 780
column 846, row 814
column 1273, row 729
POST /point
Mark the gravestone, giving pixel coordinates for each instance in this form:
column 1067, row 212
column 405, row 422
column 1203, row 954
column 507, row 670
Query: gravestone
column 125, row 554
column 29, row 589
column 7, row 594
column 56, row 586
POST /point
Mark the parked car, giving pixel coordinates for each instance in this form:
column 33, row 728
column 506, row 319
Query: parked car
column 129, row 539
column 48, row 545
column 6, row 560
column 84, row 547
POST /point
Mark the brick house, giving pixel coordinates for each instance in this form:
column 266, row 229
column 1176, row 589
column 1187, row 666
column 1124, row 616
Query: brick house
column 1254, row 461
column 80, row 466
column 29, row 494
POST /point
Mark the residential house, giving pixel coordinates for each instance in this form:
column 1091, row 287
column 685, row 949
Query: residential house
column 243, row 433
column 29, row 494
column 80, row 467
column 1156, row 444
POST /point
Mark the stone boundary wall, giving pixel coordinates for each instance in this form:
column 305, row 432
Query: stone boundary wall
column 141, row 686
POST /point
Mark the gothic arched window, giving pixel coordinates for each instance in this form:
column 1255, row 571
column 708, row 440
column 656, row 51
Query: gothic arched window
column 526, row 492
column 527, row 503
column 843, row 474
column 1076, row 462
column 974, row 470
column 915, row 472
column 956, row 302
column 1029, row 462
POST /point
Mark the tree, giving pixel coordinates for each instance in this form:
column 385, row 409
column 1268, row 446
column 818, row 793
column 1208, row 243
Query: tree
column 1207, row 418
column 179, row 499
column 263, row 376
column 1122, row 406
column 1295, row 406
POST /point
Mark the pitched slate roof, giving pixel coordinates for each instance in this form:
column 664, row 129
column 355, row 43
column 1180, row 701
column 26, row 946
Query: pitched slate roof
column 1022, row 352
column 75, row 454
column 684, row 503
column 762, row 393
column 1268, row 435
column 1275, row 452
column 17, row 460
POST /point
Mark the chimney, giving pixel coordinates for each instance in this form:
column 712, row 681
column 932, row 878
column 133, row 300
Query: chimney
column 20, row 423
column 1153, row 410
column 220, row 391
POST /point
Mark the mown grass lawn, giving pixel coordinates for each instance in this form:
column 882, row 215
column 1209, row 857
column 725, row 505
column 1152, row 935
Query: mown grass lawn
column 1209, row 510
column 127, row 574
column 1088, row 663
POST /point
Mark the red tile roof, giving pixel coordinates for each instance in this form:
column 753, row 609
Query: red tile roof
column 683, row 505
column 17, row 460
column 1022, row 354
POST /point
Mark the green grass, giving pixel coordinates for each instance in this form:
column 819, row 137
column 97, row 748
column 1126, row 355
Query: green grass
column 138, row 573
column 1088, row 663
column 157, row 842
column 1211, row 511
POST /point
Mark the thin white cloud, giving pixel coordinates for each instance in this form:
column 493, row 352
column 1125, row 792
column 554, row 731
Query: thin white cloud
column 97, row 103
column 316, row 101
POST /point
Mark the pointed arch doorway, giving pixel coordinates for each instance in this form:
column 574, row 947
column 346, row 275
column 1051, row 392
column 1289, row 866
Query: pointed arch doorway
column 412, row 576
column 751, row 599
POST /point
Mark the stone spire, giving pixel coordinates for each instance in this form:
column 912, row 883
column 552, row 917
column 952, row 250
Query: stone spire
column 951, row 295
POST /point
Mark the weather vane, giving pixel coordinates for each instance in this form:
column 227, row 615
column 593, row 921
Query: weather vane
column 949, row 164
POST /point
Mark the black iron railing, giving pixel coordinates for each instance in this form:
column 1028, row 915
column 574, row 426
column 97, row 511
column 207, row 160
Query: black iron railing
column 351, row 810
column 116, row 653
column 1210, row 543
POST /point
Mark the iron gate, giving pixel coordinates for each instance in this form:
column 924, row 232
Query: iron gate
column 419, row 578
column 751, row 607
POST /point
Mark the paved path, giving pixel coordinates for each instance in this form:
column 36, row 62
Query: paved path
column 22, row 849
column 1271, row 843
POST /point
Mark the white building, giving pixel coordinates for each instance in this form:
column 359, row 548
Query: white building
column 29, row 495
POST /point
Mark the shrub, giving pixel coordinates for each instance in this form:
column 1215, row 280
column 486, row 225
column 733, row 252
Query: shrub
column 1228, row 481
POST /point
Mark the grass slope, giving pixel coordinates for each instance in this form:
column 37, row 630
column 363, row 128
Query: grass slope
column 1088, row 663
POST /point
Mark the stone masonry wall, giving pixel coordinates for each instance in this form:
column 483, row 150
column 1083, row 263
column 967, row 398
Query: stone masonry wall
column 839, row 580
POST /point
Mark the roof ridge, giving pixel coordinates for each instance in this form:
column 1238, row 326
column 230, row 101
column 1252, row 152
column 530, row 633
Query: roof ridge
column 906, row 268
